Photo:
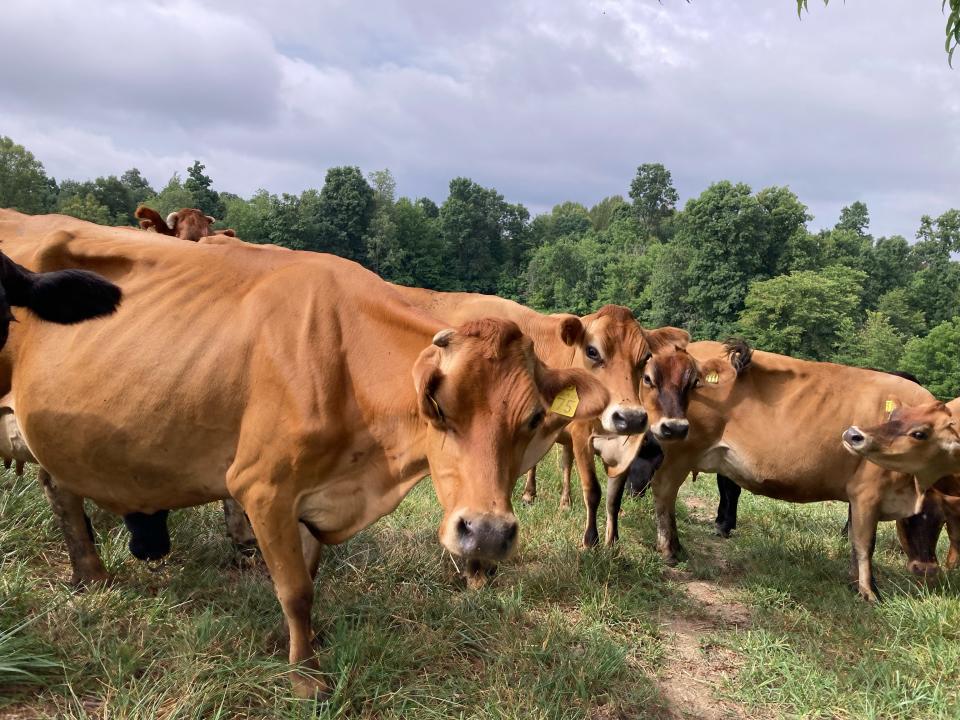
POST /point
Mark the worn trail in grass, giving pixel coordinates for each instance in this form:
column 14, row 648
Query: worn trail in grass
column 762, row 625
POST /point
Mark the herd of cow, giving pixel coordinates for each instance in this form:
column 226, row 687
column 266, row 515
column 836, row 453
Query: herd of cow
column 310, row 395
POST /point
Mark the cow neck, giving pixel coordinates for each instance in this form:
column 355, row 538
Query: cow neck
column 390, row 405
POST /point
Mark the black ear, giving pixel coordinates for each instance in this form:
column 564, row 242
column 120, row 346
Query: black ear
column 740, row 354
column 69, row 296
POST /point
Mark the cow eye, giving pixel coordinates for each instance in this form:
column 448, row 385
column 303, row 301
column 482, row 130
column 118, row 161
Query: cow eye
column 697, row 383
column 647, row 381
column 593, row 354
column 537, row 419
column 918, row 435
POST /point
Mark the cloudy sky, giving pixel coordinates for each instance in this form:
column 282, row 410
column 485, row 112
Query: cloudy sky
column 546, row 100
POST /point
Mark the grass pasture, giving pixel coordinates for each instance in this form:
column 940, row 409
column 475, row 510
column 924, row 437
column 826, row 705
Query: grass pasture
column 759, row 626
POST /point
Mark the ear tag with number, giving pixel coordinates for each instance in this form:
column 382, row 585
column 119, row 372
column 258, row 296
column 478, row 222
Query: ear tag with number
column 713, row 377
column 566, row 402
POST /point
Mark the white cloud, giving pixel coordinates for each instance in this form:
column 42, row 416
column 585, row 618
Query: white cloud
column 545, row 100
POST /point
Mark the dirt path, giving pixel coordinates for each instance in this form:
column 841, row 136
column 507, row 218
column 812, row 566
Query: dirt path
column 692, row 675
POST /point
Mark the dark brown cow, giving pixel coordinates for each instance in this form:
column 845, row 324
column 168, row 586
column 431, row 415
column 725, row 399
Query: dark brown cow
column 185, row 223
column 297, row 383
column 772, row 424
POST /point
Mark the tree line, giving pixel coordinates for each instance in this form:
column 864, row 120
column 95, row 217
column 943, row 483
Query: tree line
column 730, row 262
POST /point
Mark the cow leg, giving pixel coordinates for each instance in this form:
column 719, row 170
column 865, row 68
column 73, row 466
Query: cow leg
column 727, row 509
column 583, row 456
column 953, row 532
column 666, row 485
column 863, row 538
column 615, row 486
column 566, row 461
column 238, row 528
column 77, row 533
column 918, row 535
column 277, row 530
column 530, row 488
column 312, row 550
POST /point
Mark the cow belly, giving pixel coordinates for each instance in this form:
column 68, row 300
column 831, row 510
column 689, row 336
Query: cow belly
column 12, row 444
column 770, row 482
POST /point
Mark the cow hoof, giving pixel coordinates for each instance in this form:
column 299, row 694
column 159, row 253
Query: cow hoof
column 528, row 499
column 90, row 581
column 565, row 503
column 308, row 687
column 590, row 539
column 722, row 531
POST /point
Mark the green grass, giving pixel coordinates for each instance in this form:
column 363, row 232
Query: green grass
column 561, row 633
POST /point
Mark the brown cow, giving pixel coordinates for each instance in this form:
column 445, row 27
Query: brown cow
column 772, row 424
column 299, row 384
column 612, row 345
column 925, row 441
column 185, row 223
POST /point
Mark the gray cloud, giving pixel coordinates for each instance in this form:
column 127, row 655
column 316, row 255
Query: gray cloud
column 547, row 101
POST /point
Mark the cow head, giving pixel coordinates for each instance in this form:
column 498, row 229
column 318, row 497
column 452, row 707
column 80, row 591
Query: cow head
column 612, row 346
column 486, row 399
column 921, row 440
column 672, row 375
column 190, row 224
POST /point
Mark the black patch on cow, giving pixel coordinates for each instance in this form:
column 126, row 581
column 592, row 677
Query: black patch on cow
column 644, row 465
column 739, row 353
column 149, row 536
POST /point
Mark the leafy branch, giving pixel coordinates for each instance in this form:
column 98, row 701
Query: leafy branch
column 953, row 23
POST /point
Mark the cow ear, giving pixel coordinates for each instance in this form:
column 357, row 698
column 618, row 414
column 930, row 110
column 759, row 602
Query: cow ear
column 427, row 377
column 666, row 337
column 571, row 329
column 229, row 232
column 591, row 397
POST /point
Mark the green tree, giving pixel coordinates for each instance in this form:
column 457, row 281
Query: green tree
column 345, row 209
column 137, row 187
column 805, row 313
column 566, row 275
column 200, row 187
column 935, row 361
column 249, row 218
column 855, row 218
column 87, row 207
column 24, row 184
column 654, row 198
column 896, row 306
column 877, row 344
column 382, row 235
column 934, row 289
column 604, row 212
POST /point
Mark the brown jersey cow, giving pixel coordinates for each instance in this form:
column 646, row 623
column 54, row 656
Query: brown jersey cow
column 299, row 384
column 185, row 223
column 772, row 424
column 611, row 345
column 923, row 440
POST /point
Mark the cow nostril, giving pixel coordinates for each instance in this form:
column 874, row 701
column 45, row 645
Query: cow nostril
column 464, row 528
column 619, row 421
column 511, row 533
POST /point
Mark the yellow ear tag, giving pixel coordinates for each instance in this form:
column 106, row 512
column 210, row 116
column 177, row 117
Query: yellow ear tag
column 890, row 406
column 713, row 377
column 566, row 402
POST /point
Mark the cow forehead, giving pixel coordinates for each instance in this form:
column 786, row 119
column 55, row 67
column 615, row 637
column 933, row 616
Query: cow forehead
column 615, row 332
column 673, row 366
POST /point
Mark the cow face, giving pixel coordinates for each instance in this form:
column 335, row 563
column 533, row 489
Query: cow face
column 672, row 375
column 486, row 399
column 190, row 224
column 612, row 346
column 922, row 441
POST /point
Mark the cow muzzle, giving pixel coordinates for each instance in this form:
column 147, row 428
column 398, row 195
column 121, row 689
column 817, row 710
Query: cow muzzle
column 485, row 536
column 855, row 440
column 624, row 419
column 671, row 429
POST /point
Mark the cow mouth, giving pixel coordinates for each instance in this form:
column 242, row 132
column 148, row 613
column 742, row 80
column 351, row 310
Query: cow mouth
column 616, row 451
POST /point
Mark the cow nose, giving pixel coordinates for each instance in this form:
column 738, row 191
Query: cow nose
column 629, row 421
column 853, row 437
column 672, row 429
column 486, row 537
